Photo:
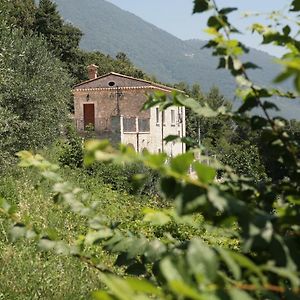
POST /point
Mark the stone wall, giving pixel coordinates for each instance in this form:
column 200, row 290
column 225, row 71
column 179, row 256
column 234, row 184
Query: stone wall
column 106, row 106
column 128, row 103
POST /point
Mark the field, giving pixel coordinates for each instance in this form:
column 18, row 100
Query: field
column 28, row 273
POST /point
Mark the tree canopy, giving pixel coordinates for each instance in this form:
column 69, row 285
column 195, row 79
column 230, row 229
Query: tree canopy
column 34, row 92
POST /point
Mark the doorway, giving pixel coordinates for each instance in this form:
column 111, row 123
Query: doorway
column 89, row 116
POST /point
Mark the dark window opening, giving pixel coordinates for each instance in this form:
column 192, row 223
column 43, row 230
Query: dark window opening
column 111, row 83
column 129, row 124
column 144, row 125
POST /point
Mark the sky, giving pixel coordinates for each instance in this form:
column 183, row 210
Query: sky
column 175, row 16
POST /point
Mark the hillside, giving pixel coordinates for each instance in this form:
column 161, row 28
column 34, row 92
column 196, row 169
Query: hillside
column 111, row 30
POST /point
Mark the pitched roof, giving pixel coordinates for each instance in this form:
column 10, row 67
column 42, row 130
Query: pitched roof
column 150, row 83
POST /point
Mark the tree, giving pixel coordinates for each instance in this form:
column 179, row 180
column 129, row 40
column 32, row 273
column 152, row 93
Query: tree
column 63, row 39
column 20, row 13
column 34, row 92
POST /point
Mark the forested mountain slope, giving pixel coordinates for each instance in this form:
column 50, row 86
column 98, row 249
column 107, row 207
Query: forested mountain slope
column 110, row 29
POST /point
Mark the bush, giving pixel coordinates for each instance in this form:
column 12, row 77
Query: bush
column 72, row 149
column 34, row 92
column 121, row 177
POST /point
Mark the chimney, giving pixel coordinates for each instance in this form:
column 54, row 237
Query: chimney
column 92, row 71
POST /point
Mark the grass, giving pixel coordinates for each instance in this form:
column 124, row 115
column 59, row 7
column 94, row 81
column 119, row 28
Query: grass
column 28, row 273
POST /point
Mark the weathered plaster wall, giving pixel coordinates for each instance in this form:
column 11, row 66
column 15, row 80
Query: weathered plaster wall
column 131, row 100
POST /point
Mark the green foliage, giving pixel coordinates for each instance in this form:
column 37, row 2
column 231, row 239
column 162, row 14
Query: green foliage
column 119, row 64
column 123, row 177
column 262, row 220
column 26, row 271
column 175, row 264
column 230, row 142
column 72, row 149
column 34, row 92
column 19, row 13
column 63, row 39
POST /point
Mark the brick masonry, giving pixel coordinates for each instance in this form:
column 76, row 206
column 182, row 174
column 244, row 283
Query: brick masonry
column 132, row 94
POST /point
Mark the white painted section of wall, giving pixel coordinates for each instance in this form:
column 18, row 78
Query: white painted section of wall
column 154, row 140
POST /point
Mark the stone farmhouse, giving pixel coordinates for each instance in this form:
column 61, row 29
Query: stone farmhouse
column 110, row 105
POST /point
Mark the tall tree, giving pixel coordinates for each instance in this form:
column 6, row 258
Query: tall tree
column 63, row 39
column 34, row 92
column 20, row 13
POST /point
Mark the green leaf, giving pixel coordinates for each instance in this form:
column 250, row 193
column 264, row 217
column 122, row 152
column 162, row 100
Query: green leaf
column 200, row 6
column 123, row 245
column 16, row 232
column 236, row 294
column 217, row 198
column 286, row 273
column 96, row 236
column 227, row 10
column 136, row 269
column 101, row 295
column 181, row 163
column 202, row 261
column 270, row 105
column 287, row 29
column 171, row 138
column 214, row 21
column 168, row 187
column 169, row 270
column 258, row 122
column 230, row 262
column 222, row 63
column 142, row 285
column 295, row 6
column 155, row 249
column 205, row 111
column 250, row 65
column 250, row 102
column 155, row 161
column 118, row 287
column 7, row 207
column 155, row 217
column 138, row 247
column 46, row 244
column 51, row 176
column 205, row 173
column 247, row 263
column 184, row 290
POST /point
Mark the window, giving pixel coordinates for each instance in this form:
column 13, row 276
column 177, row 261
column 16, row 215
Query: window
column 129, row 124
column 179, row 117
column 163, row 118
column 172, row 117
column 111, row 83
column 144, row 125
column 157, row 115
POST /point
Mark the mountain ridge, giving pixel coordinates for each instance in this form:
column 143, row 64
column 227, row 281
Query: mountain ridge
column 109, row 29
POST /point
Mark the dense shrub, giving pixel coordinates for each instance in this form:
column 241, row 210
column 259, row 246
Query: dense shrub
column 72, row 149
column 34, row 92
column 121, row 177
